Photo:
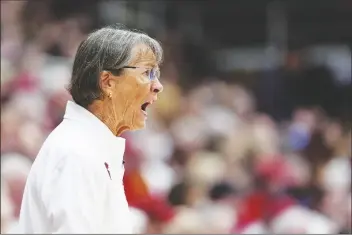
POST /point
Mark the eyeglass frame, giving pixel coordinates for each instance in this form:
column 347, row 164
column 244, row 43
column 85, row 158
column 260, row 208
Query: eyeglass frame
column 152, row 75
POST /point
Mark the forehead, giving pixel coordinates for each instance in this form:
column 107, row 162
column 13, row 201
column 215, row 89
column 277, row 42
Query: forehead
column 143, row 55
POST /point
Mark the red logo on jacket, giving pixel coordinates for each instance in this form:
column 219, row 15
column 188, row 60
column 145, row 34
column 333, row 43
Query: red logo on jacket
column 107, row 168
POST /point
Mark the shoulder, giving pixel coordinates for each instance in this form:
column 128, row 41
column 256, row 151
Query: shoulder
column 67, row 152
column 68, row 139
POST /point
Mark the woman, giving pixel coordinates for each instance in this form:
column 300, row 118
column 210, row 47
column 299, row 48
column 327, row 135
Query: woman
column 75, row 184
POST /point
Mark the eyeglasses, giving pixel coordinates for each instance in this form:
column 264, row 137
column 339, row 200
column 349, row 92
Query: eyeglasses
column 152, row 73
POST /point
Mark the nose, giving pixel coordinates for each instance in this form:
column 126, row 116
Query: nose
column 157, row 87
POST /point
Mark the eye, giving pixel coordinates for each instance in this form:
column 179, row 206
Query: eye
column 147, row 73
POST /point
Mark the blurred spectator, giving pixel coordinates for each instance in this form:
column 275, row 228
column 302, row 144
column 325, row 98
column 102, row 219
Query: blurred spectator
column 7, row 214
column 14, row 171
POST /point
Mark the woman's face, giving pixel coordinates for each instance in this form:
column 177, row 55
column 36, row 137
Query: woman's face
column 135, row 89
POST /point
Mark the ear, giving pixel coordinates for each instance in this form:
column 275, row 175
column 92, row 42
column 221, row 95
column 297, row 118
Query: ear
column 107, row 82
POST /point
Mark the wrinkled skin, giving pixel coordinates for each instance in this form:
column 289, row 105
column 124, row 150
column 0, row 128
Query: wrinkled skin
column 120, row 108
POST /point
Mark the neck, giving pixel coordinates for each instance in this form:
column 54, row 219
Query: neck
column 107, row 116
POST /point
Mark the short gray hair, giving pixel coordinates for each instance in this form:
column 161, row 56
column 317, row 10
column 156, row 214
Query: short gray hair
column 109, row 47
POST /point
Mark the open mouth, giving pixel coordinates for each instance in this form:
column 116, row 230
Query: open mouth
column 144, row 107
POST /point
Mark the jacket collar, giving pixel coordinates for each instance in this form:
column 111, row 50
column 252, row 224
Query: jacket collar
column 76, row 112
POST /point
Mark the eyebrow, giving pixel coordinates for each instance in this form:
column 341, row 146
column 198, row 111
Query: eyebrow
column 149, row 64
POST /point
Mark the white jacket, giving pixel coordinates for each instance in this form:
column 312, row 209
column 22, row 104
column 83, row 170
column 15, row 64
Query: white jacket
column 75, row 184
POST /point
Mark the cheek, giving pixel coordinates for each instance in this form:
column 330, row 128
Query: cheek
column 142, row 92
column 133, row 91
column 143, row 87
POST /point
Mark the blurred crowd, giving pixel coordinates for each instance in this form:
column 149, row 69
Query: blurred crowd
column 208, row 162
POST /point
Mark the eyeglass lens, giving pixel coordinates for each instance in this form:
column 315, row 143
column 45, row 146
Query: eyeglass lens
column 153, row 74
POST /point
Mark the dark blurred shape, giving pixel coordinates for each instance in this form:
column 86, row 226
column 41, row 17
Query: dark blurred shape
column 281, row 91
column 317, row 154
column 221, row 191
column 35, row 15
column 63, row 9
column 179, row 157
column 213, row 143
column 310, row 196
column 178, row 194
column 316, row 87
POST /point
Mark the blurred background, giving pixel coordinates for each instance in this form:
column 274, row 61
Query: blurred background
column 251, row 134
